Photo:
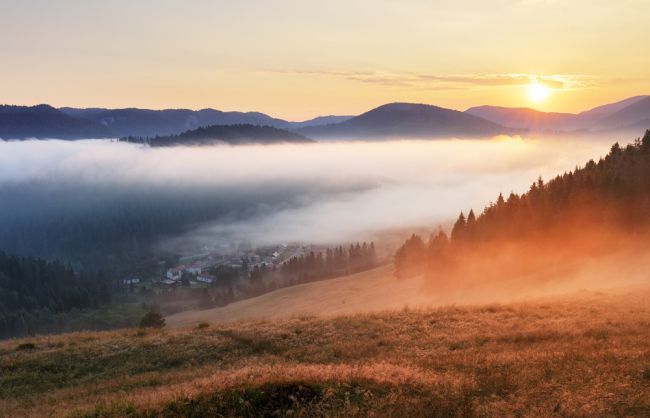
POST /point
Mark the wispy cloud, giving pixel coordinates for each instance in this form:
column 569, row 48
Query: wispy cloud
column 453, row 81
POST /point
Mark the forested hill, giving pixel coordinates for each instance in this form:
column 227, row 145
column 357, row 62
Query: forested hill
column 589, row 211
column 229, row 134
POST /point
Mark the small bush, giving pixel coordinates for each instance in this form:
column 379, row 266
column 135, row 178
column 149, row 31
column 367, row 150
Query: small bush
column 140, row 333
column 152, row 319
column 203, row 325
column 26, row 346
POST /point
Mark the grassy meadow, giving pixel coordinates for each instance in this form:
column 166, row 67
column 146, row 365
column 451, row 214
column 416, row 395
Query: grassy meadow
column 584, row 355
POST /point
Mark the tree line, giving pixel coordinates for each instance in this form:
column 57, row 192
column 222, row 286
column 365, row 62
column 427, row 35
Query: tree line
column 263, row 278
column 33, row 293
column 587, row 207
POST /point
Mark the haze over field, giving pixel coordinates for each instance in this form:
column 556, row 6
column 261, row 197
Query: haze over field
column 325, row 192
column 310, row 209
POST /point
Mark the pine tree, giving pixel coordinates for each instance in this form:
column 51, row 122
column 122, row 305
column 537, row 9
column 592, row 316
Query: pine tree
column 500, row 201
column 645, row 142
column 458, row 231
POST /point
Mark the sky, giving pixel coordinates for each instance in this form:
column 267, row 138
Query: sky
column 298, row 59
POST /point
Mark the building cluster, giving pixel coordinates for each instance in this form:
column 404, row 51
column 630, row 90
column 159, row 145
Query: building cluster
column 201, row 270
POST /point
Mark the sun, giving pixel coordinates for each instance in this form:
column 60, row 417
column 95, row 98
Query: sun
column 538, row 92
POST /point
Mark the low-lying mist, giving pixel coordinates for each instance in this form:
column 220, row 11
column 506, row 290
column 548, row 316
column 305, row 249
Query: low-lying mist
column 317, row 193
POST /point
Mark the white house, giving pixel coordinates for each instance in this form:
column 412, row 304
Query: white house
column 174, row 274
column 206, row 278
column 131, row 280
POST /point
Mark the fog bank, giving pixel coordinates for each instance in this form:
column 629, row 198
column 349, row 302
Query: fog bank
column 320, row 193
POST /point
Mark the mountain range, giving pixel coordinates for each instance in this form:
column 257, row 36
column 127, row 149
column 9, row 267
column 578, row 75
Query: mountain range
column 44, row 121
column 393, row 120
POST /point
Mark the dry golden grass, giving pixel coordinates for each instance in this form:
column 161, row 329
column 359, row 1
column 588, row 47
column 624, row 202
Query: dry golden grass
column 371, row 290
column 378, row 290
column 585, row 355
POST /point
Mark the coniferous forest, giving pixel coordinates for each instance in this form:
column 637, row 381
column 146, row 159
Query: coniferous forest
column 591, row 211
column 34, row 294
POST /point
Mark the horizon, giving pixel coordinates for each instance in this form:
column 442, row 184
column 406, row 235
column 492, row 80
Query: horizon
column 221, row 56
column 327, row 115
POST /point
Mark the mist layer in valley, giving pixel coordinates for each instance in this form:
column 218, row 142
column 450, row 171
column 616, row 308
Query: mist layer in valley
column 60, row 197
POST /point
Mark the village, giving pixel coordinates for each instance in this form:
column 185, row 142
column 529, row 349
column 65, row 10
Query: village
column 220, row 266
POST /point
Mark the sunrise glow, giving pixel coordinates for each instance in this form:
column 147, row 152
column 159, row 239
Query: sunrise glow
column 313, row 60
column 538, row 92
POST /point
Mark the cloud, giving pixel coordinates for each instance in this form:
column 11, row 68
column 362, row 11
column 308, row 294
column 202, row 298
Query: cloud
column 453, row 81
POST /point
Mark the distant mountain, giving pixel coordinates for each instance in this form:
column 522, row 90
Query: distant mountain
column 146, row 122
column 394, row 120
column 320, row 121
column 407, row 120
column 633, row 116
column 524, row 118
column 610, row 109
column 44, row 121
column 632, row 113
column 229, row 134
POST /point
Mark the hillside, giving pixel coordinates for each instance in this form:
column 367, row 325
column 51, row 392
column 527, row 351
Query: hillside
column 372, row 290
column 525, row 118
column 379, row 289
column 584, row 355
column 610, row 108
column 229, row 134
column 636, row 115
column 574, row 218
column 408, row 120
column 633, row 112
column 43, row 121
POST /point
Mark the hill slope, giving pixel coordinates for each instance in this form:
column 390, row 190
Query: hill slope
column 378, row 290
column 43, row 121
column 555, row 227
column 634, row 116
column 371, row 290
column 408, row 120
column 605, row 110
column 578, row 356
column 631, row 112
column 229, row 134
column 525, row 118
